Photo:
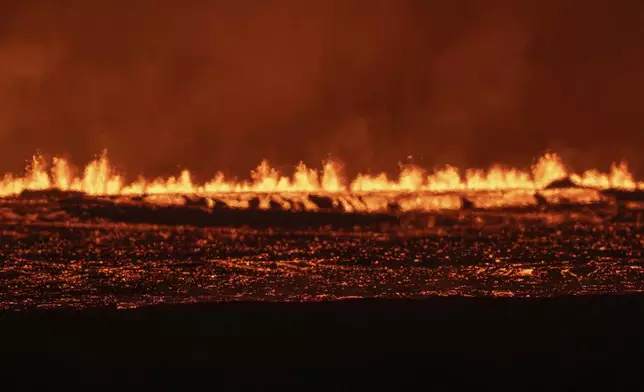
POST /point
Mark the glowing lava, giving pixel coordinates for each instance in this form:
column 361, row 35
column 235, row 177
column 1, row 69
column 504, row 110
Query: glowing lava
column 99, row 178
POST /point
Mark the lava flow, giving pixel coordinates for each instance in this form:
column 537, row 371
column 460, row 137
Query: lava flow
column 99, row 178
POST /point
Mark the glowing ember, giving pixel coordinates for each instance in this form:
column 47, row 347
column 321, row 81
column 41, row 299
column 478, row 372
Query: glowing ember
column 99, row 178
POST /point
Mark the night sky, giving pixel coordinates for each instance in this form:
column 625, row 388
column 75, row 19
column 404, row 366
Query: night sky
column 167, row 84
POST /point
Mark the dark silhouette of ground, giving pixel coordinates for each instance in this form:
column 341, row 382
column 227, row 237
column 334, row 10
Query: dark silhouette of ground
column 563, row 183
column 272, row 339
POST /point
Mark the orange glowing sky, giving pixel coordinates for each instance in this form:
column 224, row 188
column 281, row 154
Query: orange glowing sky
column 221, row 85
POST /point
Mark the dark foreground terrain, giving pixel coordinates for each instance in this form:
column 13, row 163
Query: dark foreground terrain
column 261, row 344
column 108, row 298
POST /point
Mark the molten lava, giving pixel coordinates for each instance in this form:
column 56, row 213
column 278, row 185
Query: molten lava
column 99, row 178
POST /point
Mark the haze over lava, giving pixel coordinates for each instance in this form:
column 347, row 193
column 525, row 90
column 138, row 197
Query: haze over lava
column 221, row 84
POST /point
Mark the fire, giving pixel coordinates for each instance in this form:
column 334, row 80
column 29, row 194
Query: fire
column 619, row 177
column 99, row 178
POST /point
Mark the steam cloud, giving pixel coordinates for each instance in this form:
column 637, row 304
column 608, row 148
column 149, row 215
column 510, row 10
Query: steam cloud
column 222, row 84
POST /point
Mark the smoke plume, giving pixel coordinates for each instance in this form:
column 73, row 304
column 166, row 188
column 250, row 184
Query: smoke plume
column 216, row 84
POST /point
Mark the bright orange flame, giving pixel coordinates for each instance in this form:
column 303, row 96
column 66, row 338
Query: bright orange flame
column 99, row 178
column 619, row 177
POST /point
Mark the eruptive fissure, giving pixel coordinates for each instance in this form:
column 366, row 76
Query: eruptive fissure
column 99, row 178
